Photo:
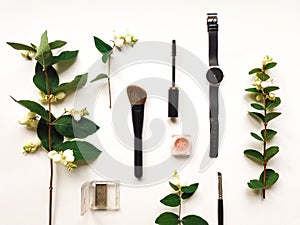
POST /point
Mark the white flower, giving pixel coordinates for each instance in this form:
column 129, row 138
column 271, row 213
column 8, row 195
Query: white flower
column 60, row 95
column 258, row 98
column 119, row 42
column 128, row 39
column 64, row 157
column 28, row 55
column 51, row 154
column 78, row 114
column 266, row 60
column 29, row 120
column 125, row 38
column 44, row 98
column 68, row 152
column 77, row 117
column 57, row 158
column 70, row 158
column 257, row 83
column 272, row 96
column 32, row 145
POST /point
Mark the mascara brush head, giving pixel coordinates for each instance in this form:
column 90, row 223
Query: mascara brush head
column 136, row 95
column 173, row 48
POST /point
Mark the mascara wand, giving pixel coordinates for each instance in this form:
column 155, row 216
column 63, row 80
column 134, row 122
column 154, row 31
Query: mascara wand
column 173, row 91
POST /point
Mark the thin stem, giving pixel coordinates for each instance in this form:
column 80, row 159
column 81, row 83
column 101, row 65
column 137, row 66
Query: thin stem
column 265, row 146
column 179, row 211
column 50, row 192
column 108, row 82
column 49, row 146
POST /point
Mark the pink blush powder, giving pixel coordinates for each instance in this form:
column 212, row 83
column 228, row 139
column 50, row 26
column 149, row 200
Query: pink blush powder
column 181, row 144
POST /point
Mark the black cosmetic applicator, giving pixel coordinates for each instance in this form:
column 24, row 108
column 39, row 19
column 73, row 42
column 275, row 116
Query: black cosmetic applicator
column 220, row 200
column 173, row 91
column 137, row 97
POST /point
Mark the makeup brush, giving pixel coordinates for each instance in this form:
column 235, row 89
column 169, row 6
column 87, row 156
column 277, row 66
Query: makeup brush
column 220, row 200
column 137, row 97
column 173, row 91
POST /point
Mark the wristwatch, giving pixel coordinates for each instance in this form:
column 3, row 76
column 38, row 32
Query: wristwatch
column 214, row 76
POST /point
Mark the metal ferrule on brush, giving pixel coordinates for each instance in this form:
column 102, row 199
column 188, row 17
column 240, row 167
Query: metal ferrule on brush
column 220, row 189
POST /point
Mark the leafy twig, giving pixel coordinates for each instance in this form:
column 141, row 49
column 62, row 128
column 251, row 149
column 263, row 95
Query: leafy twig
column 106, row 50
column 267, row 102
column 176, row 199
column 51, row 131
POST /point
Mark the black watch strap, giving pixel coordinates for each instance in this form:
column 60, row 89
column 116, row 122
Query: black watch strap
column 212, row 28
column 214, row 121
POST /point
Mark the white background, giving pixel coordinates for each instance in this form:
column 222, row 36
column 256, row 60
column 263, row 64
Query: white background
column 248, row 31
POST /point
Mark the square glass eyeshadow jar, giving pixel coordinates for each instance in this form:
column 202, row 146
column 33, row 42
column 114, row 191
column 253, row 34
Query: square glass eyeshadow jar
column 181, row 145
column 100, row 195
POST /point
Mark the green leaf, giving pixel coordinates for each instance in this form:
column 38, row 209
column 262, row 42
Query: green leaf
column 255, row 70
column 68, row 127
column 271, row 177
column 187, row 195
column 39, row 79
column 102, row 46
column 254, row 155
column 263, row 76
column 175, row 187
column 271, row 152
column 171, row 200
column 83, row 151
column 253, row 90
column 270, row 65
column 19, row 46
column 269, row 134
column 105, row 56
column 269, row 89
column 256, row 136
column 255, row 184
column 193, row 220
column 33, row 107
column 258, row 116
column 78, row 82
column 64, row 56
column 42, row 132
column 190, row 189
column 272, row 104
column 271, row 116
column 57, row 44
column 167, row 218
column 99, row 77
column 257, row 106
column 44, row 54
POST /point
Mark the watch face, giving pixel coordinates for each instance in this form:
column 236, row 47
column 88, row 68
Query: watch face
column 214, row 75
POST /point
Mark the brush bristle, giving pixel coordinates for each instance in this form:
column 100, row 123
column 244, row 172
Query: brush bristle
column 136, row 95
column 173, row 48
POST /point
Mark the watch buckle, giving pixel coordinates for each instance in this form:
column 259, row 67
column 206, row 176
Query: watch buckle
column 212, row 22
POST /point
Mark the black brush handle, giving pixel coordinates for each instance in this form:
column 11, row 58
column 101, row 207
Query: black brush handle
column 138, row 120
column 220, row 212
